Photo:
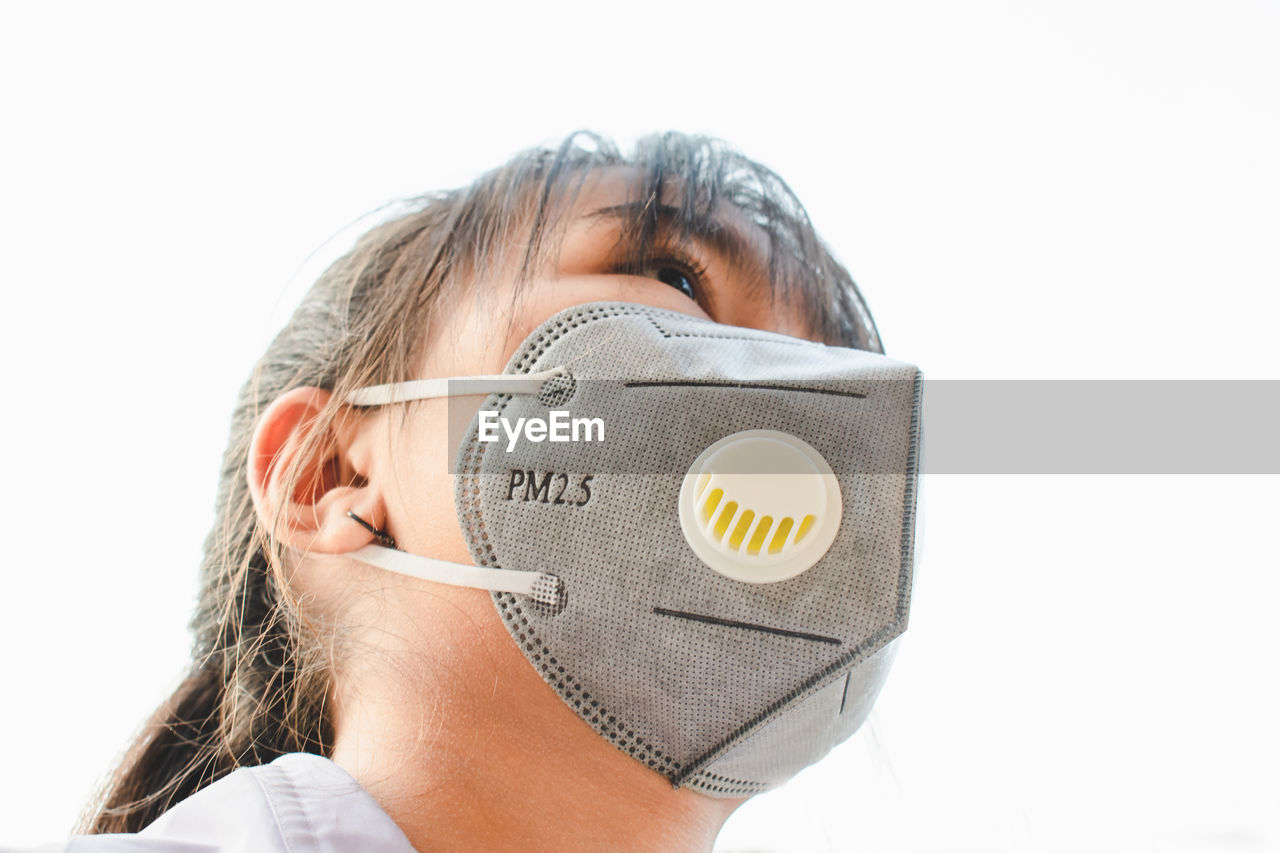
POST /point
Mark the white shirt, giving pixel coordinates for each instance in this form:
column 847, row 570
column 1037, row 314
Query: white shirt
column 299, row 803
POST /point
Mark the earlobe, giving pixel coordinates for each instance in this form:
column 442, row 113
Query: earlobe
column 309, row 513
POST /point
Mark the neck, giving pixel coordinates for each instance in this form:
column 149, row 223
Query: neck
column 466, row 748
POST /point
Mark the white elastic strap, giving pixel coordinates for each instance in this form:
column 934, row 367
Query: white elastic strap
column 452, row 386
column 539, row 586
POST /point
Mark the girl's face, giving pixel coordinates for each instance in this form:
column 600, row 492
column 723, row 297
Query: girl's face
column 435, row 640
column 404, row 455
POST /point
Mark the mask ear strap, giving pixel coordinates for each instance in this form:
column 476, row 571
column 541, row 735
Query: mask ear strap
column 452, row 386
column 539, row 586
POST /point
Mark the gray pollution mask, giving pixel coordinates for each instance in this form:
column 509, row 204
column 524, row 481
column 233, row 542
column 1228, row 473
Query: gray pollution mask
column 713, row 574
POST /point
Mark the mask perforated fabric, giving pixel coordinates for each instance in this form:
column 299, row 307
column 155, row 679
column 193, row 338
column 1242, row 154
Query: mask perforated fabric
column 723, row 686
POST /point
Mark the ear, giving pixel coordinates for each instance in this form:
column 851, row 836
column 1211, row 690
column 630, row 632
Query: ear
column 313, row 516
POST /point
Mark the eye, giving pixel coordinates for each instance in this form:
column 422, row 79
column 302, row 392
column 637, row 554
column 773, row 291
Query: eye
column 677, row 278
column 671, row 264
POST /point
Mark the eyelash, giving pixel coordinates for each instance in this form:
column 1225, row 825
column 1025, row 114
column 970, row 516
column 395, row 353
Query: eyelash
column 670, row 255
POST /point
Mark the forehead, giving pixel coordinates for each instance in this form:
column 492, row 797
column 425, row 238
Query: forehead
column 676, row 203
column 618, row 201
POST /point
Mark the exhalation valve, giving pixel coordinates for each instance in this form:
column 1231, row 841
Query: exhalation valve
column 760, row 506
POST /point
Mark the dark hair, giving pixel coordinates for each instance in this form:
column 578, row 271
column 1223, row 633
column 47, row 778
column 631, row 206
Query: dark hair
column 260, row 676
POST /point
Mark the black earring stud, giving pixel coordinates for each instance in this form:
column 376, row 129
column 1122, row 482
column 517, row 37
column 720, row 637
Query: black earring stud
column 384, row 538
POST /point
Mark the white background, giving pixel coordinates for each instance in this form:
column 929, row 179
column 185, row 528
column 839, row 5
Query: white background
column 1065, row 190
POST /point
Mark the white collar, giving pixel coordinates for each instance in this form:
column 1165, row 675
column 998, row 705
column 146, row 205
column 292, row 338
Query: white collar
column 299, row 803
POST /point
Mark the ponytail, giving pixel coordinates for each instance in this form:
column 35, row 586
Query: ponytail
column 232, row 709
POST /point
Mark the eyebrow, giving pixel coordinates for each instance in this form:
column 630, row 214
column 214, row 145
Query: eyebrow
column 720, row 237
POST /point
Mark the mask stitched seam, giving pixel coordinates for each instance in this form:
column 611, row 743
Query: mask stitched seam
column 537, row 347
column 669, row 334
column 470, row 495
column 909, row 503
column 863, row 651
column 714, row 783
column 601, row 720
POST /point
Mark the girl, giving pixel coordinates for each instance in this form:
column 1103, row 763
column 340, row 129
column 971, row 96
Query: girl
column 332, row 704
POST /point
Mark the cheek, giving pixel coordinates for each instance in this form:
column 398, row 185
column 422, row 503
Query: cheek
column 772, row 319
column 420, row 482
